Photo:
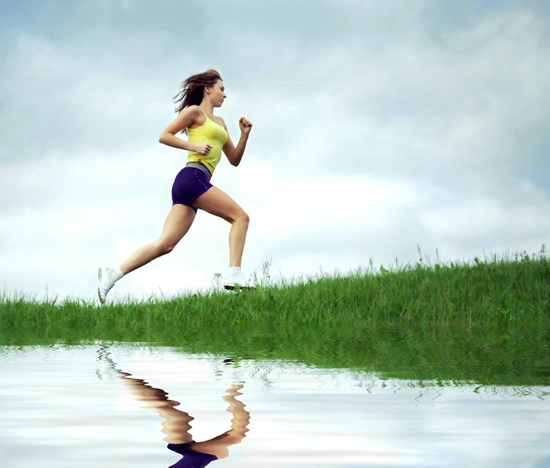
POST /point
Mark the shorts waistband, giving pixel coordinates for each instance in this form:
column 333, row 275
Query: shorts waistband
column 202, row 167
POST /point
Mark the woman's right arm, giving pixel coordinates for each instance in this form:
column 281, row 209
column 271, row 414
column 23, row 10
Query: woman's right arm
column 185, row 119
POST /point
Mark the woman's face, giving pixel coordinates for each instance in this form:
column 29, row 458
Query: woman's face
column 217, row 94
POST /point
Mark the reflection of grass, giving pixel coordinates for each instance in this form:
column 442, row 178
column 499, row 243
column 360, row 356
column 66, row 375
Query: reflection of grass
column 487, row 321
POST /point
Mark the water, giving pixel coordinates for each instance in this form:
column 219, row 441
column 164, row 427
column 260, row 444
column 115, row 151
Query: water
column 91, row 406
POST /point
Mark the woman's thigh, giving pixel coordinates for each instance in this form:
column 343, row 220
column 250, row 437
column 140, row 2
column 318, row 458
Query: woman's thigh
column 179, row 220
column 218, row 203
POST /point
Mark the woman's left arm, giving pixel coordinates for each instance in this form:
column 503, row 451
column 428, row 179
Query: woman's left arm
column 234, row 155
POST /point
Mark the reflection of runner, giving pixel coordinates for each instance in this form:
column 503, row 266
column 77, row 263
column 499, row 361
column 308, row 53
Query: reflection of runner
column 176, row 425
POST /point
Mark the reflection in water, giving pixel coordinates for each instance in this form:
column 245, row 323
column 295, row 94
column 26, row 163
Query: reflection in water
column 176, row 425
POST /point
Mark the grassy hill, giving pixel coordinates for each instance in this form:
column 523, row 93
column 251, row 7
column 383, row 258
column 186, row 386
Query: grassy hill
column 487, row 321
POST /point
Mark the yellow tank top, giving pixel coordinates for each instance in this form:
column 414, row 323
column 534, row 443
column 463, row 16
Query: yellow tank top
column 212, row 133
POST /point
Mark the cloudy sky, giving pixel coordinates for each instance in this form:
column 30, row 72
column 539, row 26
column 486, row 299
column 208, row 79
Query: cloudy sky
column 378, row 127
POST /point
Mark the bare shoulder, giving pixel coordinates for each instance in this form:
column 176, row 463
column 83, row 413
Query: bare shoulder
column 185, row 119
column 191, row 116
column 193, row 111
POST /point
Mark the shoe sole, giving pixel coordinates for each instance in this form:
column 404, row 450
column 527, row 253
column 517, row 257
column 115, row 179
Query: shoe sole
column 232, row 288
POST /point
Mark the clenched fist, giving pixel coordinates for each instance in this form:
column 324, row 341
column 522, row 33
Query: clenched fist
column 245, row 125
column 202, row 148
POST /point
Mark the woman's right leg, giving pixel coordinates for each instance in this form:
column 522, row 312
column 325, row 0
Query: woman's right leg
column 179, row 220
column 218, row 203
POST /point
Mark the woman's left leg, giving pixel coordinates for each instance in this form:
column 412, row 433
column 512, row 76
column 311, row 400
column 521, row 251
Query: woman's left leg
column 179, row 220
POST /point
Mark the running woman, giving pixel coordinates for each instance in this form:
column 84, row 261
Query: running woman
column 207, row 137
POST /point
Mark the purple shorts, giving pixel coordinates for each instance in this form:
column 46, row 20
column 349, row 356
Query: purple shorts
column 189, row 185
column 191, row 459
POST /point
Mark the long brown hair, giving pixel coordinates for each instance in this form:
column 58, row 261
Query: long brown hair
column 192, row 89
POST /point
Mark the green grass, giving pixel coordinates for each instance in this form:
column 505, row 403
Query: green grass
column 488, row 321
column 482, row 292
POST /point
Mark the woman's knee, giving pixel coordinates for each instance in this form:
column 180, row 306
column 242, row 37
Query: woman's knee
column 242, row 217
column 164, row 246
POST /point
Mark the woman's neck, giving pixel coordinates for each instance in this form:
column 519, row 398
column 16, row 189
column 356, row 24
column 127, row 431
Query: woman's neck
column 207, row 107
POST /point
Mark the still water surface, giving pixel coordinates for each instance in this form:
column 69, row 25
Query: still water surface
column 120, row 406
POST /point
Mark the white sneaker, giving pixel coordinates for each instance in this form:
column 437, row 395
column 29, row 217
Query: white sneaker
column 107, row 278
column 237, row 281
